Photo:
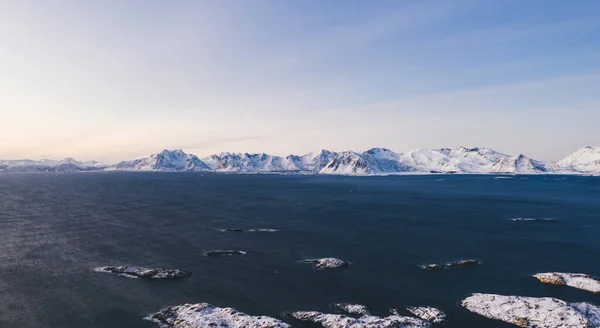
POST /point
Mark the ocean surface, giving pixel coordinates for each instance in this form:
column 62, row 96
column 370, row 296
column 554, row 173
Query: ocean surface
column 55, row 228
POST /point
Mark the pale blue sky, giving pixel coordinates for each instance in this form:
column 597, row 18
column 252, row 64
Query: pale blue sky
column 117, row 79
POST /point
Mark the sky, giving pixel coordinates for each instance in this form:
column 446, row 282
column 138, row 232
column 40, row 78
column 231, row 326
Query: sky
column 119, row 79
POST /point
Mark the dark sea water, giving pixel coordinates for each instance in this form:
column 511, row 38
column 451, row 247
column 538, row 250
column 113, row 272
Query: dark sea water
column 55, row 228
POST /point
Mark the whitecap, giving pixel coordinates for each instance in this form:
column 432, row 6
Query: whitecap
column 531, row 219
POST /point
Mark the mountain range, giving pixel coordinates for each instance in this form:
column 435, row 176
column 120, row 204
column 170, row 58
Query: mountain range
column 376, row 161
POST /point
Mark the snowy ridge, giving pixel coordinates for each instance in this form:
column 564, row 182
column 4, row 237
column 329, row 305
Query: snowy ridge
column 375, row 161
column 584, row 160
column 167, row 160
column 65, row 165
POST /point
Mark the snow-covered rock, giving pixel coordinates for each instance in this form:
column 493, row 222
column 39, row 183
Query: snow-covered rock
column 342, row 321
column 576, row 280
column 144, row 273
column 449, row 265
column 427, row 313
column 204, row 315
column 167, row 160
column 534, row 312
column 357, row 309
column 327, row 263
column 584, row 160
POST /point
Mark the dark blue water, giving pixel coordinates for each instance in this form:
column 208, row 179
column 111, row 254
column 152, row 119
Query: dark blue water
column 54, row 228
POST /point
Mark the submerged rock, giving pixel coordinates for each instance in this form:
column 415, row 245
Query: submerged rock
column 427, row 313
column 352, row 308
column 144, row 273
column 534, row 312
column 327, row 263
column 576, row 280
column 367, row 321
column 224, row 253
column 449, row 265
column 205, row 315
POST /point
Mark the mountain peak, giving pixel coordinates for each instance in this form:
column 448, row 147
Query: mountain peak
column 172, row 151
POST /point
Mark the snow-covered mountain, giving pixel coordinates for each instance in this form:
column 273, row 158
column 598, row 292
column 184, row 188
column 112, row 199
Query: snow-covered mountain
column 584, row 160
column 167, row 160
column 45, row 165
column 375, row 161
column 518, row 164
column 250, row 163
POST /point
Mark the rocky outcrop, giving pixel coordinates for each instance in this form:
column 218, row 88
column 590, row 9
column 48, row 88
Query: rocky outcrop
column 449, row 265
column 575, row 280
column 357, row 309
column 534, row 312
column 144, row 273
column 342, row 321
column 327, row 263
column 427, row 313
column 360, row 317
column 204, row 315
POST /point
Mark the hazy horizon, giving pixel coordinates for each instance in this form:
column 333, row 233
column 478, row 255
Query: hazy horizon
column 117, row 80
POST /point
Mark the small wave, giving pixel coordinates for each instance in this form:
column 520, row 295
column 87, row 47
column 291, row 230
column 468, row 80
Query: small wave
column 531, row 219
column 224, row 253
column 249, row 230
